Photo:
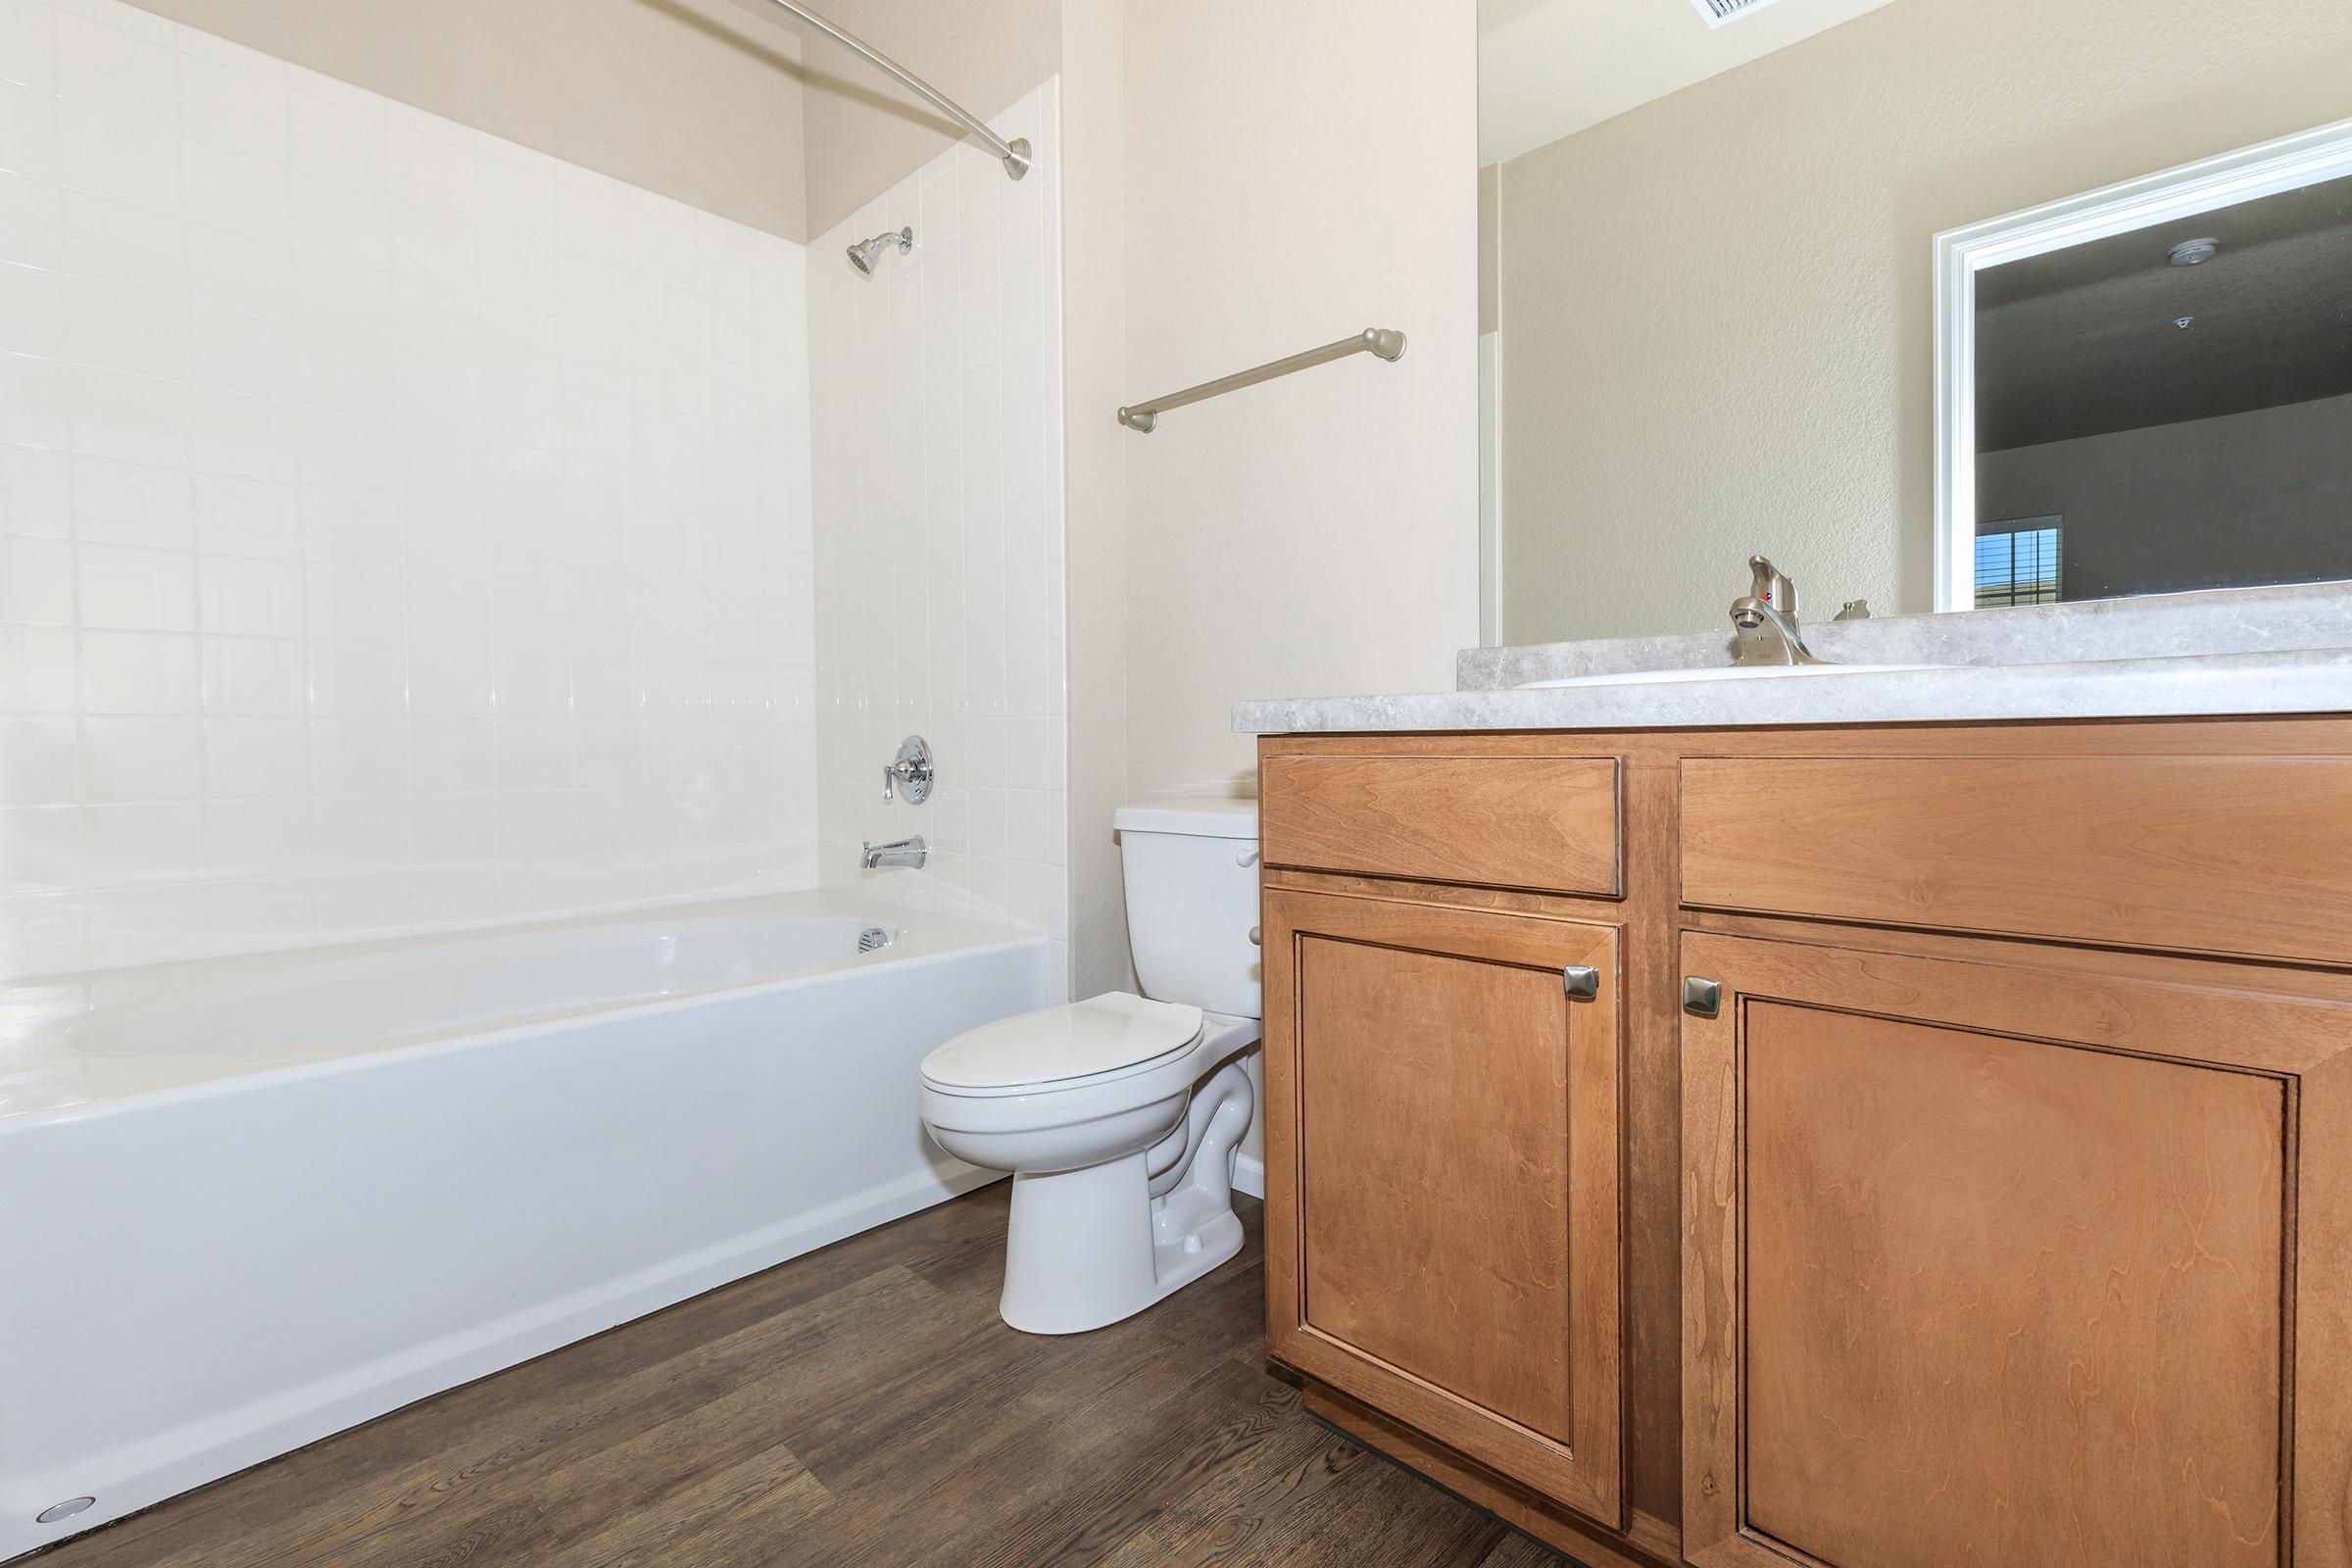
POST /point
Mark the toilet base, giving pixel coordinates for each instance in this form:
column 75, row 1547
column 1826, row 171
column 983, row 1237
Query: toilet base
column 1182, row 1251
column 1085, row 1249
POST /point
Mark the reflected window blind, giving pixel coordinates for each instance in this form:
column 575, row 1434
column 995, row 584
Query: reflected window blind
column 2016, row 562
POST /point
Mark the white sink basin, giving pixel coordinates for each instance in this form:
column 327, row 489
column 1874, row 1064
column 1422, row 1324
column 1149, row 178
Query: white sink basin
column 1654, row 678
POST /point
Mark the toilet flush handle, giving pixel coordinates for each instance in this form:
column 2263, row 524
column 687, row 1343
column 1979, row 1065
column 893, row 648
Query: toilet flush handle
column 1248, row 856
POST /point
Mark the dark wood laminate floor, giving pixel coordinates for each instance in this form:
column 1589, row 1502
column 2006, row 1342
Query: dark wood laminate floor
column 861, row 1405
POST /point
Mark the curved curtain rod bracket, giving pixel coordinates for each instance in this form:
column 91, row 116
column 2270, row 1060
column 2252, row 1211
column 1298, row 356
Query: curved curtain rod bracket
column 1013, row 154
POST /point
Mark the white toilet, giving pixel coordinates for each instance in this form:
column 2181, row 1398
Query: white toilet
column 1119, row 1116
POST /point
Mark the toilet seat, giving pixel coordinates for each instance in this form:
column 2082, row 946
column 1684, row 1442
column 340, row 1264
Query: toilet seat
column 1100, row 1039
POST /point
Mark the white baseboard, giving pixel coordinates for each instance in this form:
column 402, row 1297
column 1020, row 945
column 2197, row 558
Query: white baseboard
column 1250, row 1175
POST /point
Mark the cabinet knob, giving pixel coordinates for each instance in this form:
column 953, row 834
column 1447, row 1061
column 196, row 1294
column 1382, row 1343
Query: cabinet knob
column 1702, row 996
column 1258, row 936
column 1581, row 980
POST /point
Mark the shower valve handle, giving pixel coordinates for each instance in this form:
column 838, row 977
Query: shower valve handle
column 912, row 771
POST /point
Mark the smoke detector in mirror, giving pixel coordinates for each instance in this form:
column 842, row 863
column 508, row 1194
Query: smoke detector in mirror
column 2195, row 251
column 1719, row 12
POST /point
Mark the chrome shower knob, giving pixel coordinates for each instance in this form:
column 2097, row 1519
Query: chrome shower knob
column 912, row 771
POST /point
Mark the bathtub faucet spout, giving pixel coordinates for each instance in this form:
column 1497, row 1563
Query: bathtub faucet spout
column 897, row 852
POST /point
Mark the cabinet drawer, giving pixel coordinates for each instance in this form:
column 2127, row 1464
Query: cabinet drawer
column 2230, row 855
column 1542, row 822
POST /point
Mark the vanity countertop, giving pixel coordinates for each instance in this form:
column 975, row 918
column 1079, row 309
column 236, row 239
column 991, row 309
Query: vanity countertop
column 2237, row 651
column 2316, row 681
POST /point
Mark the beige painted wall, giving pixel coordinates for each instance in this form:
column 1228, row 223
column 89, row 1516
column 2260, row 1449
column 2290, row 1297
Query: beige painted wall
column 1290, row 174
column 865, row 133
column 1093, row 239
column 694, row 99
column 1717, row 308
column 1316, row 534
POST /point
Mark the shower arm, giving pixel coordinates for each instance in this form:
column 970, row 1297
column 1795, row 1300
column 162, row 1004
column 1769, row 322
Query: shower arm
column 1014, row 154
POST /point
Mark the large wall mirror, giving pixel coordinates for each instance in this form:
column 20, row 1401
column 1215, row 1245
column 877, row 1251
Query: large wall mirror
column 1888, row 290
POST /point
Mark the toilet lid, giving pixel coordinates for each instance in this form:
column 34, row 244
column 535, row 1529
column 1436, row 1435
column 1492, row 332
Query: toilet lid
column 1101, row 1034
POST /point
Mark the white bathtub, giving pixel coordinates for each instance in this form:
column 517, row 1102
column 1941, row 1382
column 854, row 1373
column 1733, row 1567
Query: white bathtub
column 251, row 1201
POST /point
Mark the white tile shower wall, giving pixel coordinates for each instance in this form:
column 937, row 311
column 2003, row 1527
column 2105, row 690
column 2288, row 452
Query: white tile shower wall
column 397, row 528
column 937, row 419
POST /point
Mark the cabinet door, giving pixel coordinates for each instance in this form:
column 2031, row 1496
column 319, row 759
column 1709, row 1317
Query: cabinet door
column 1989, row 1264
column 1442, row 1237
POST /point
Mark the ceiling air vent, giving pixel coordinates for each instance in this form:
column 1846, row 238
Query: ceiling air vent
column 1719, row 12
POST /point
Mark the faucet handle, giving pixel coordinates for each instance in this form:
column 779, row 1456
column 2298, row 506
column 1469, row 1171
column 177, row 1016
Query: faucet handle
column 1772, row 586
column 912, row 771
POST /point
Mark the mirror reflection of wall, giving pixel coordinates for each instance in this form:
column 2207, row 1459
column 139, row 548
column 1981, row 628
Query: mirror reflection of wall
column 1709, row 264
column 2169, row 408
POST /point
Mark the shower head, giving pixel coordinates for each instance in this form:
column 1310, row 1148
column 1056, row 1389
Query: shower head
column 862, row 254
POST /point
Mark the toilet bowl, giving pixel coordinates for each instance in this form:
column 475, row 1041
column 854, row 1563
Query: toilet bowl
column 1119, row 1116
column 1122, row 1174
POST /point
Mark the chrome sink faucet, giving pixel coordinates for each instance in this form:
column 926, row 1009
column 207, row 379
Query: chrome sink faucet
column 1765, row 618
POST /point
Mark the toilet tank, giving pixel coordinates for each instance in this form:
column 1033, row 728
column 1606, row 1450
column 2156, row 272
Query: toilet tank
column 1191, row 868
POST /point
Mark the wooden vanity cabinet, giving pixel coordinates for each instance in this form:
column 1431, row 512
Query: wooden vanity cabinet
column 1994, row 1208
column 1442, row 1218
column 1986, row 1262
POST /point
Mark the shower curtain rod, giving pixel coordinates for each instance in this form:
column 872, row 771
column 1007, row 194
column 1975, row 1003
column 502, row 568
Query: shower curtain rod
column 1014, row 153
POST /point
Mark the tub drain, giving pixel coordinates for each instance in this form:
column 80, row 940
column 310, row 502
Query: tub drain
column 61, row 1510
column 873, row 937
